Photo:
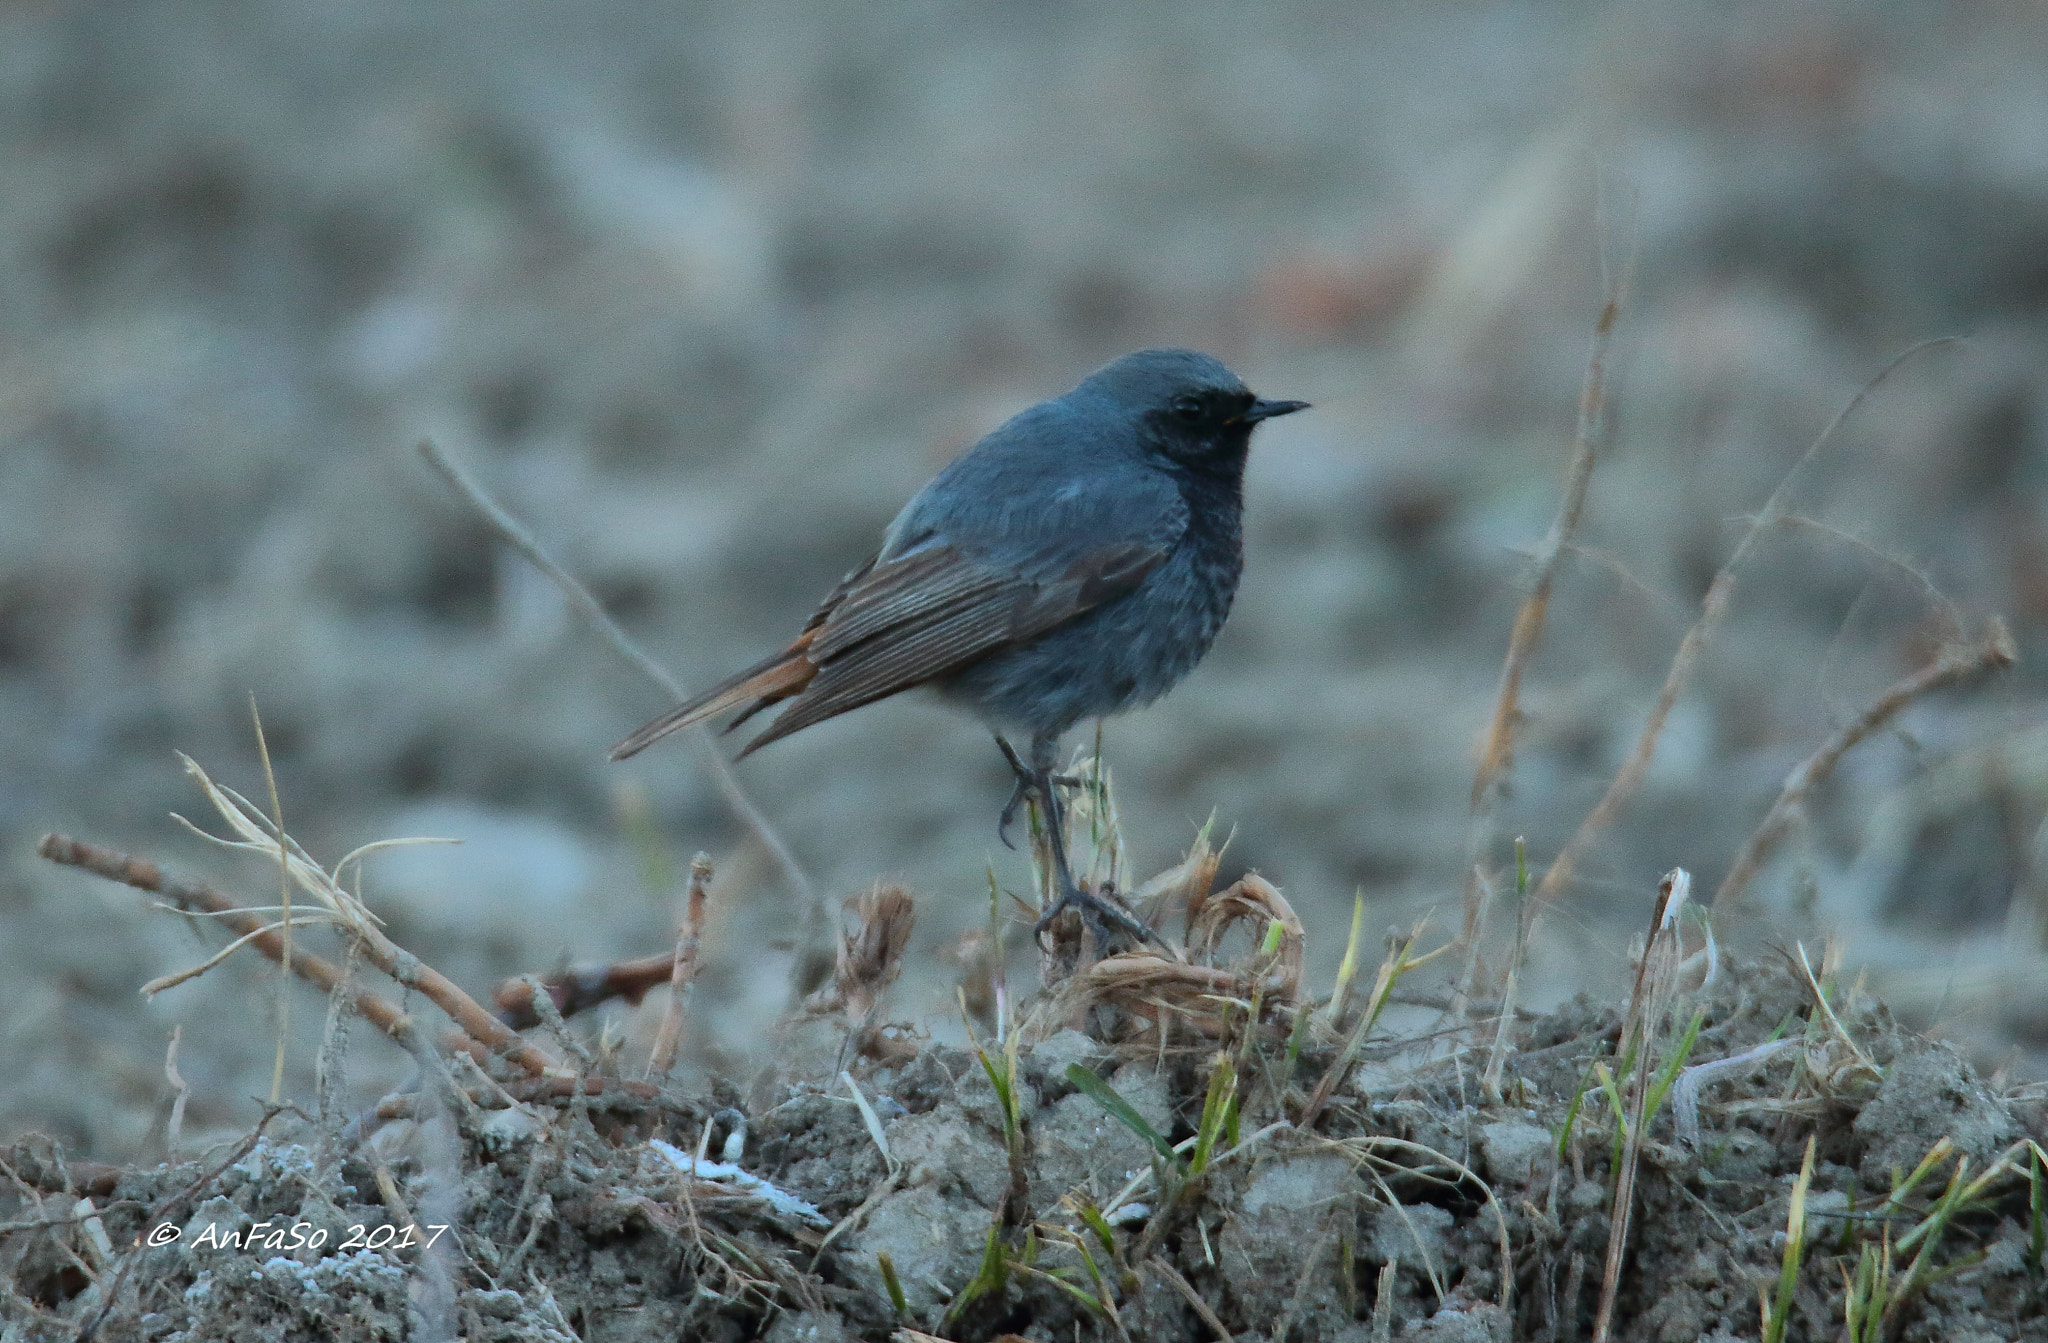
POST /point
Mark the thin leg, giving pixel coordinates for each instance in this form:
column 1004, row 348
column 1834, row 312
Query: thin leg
column 1026, row 785
column 1038, row 777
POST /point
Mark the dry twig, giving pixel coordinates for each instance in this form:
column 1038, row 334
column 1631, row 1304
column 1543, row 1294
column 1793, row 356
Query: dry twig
column 1497, row 758
column 817, row 918
column 1713, row 607
column 386, row 955
column 688, row 939
column 574, row 991
column 1994, row 652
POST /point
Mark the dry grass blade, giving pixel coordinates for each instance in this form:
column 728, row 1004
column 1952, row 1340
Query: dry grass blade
column 174, row 1129
column 817, row 917
column 360, row 923
column 1188, row 1293
column 258, row 838
column 1713, row 607
column 1994, row 652
column 1656, row 982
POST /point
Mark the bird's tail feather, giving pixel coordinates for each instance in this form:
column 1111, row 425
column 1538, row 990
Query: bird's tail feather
column 756, row 688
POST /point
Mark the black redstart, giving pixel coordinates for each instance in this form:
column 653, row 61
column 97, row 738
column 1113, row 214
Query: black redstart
column 1075, row 563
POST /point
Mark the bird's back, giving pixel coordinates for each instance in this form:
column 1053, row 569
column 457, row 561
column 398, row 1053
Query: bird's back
column 1042, row 489
column 1047, row 487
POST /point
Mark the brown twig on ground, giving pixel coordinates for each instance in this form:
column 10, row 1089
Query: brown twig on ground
column 380, row 950
column 574, row 991
column 1498, row 756
column 815, row 958
column 688, row 939
column 1713, row 607
column 1994, row 652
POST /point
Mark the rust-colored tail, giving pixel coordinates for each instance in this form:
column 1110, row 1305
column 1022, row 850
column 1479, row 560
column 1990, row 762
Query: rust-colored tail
column 759, row 686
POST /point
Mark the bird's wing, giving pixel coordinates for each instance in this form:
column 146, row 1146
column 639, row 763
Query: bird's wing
column 901, row 621
column 935, row 611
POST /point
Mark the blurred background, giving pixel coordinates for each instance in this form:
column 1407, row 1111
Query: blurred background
column 705, row 292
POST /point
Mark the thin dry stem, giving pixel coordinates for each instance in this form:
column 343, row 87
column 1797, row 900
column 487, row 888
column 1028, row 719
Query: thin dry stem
column 1713, row 607
column 174, row 1131
column 401, row 965
column 683, row 971
column 1497, row 758
column 817, row 920
column 1656, row 980
column 1994, row 652
column 1190, row 1295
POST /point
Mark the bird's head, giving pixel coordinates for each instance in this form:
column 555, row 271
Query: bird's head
column 1190, row 409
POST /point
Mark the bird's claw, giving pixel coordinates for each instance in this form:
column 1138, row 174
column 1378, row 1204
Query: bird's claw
column 1102, row 917
column 1027, row 784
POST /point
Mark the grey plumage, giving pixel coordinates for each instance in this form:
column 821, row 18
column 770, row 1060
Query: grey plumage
column 1075, row 563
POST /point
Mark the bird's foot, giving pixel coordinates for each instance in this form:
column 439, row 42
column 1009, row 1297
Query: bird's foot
column 1107, row 917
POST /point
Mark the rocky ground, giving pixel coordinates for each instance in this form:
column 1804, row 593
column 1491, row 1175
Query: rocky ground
column 1306, row 1174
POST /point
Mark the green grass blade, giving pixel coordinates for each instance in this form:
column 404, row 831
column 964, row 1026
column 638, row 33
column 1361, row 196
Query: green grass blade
column 1103, row 1094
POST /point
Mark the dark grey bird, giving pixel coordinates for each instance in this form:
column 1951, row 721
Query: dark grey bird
column 1075, row 563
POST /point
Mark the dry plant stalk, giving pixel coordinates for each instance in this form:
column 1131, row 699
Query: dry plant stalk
column 1713, row 607
column 683, row 971
column 1497, row 756
column 874, row 933
column 817, row 916
column 1994, row 652
column 340, row 908
column 192, row 897
column 574, row 991
column 1649, row 1001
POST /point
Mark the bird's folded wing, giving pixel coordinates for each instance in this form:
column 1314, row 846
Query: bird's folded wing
column 934, row 611
column 899, row 622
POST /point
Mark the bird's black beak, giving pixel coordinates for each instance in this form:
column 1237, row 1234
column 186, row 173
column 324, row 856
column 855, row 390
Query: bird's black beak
column 1267, row 410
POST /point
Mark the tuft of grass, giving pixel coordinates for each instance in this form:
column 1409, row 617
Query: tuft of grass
column 1400, row 961
column 1001, row 1068
column 991, row 1279
column 1347, row 970
column 1219, row 1110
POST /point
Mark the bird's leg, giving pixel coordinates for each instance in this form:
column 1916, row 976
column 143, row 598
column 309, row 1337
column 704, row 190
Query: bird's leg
column 1102, row 915
column 1027, row 784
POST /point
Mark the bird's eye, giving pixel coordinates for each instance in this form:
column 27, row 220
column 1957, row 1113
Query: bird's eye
column 1187, row 408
